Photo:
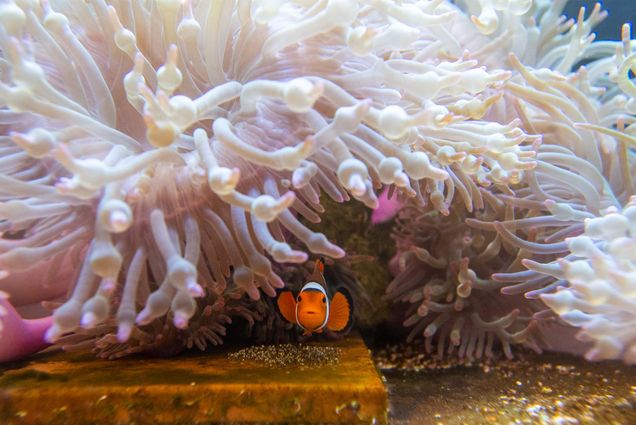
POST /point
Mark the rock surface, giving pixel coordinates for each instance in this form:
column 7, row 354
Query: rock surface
column 199, row 388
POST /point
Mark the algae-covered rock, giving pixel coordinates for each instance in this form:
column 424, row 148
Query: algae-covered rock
column 336, row 382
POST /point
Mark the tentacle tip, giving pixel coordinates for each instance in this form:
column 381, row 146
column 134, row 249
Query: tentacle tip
column 195, row 290
column 143, row 318
column 123, row 332
column 53, row 334
column 287, row 199
column 338, row 252
column 181, row 319
column 89, row 320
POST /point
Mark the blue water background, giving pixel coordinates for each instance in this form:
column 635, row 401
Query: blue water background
column 620, row 12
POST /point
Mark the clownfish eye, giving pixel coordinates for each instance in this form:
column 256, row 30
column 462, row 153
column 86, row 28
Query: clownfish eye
column 299, row 299
column 324, row 300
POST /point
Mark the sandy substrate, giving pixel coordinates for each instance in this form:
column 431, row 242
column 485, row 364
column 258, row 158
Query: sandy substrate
column 530, row 389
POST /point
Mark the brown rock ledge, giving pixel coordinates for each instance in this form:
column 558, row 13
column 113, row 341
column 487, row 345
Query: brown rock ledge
column 201, row 388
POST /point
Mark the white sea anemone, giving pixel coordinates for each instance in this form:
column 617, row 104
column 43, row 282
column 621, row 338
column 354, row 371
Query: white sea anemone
column 574, row 215
column 156, row 147
column 585, row 120
column 153, row 146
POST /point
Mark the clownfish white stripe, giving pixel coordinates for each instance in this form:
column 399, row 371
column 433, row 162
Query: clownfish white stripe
column 314, row 286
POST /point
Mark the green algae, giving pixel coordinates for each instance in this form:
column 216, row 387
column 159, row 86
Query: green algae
column 10, row 378
column 369, row 249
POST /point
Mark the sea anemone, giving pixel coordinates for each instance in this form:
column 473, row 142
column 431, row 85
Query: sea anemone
column 584, row 120
column 19, row 336
column 444, row 275
column 600, row 296
column 573, row 216
column 148, row 143
column 165, row 153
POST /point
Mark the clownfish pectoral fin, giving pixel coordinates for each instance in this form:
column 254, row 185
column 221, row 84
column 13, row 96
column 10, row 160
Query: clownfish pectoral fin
column 340, row 311
column 287, row 306
column 318, row 331
column 307, row 332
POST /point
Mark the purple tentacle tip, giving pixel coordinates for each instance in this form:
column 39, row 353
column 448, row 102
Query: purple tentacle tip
column 19, row 337
column 387, row 208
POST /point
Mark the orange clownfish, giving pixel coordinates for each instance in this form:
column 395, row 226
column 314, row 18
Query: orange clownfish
column 311, row 309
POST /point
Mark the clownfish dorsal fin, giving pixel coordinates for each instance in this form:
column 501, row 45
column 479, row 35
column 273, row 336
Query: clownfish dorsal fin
column 319, row 266
column 340, row 311
column 287, row 306
column 318, row 274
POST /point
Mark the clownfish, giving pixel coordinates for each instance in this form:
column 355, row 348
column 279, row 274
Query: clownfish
column 311, row 309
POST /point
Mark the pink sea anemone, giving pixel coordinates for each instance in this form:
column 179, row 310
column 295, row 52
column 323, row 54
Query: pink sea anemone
column 444, row 277
column 151, row 148
column 573, row 216
column 165, row 153
column 585, row 119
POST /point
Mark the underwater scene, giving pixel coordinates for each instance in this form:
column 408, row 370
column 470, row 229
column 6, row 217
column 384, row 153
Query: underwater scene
column 405, row 212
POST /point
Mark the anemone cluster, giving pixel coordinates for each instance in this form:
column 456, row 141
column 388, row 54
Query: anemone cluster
column 600, row 297
column 159, row 159
column 444, row 274
column 582, row 168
